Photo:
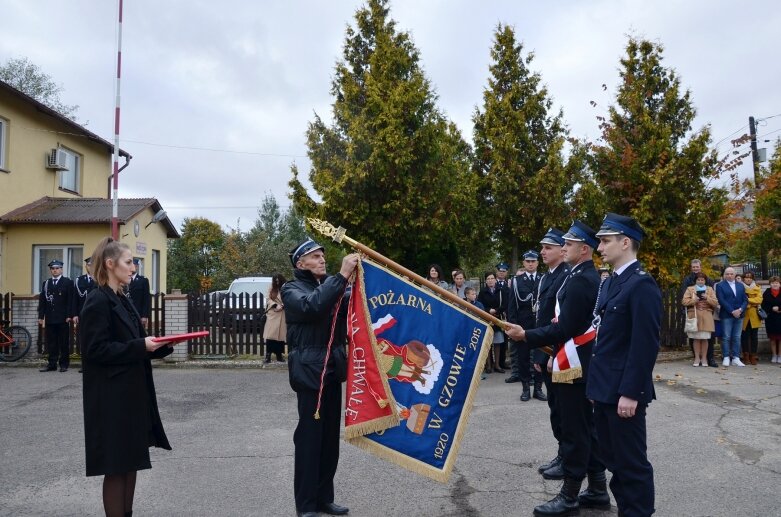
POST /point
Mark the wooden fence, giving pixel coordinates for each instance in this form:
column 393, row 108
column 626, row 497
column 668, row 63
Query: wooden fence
column 235, row 328
column 5, row 306
column 233, row 322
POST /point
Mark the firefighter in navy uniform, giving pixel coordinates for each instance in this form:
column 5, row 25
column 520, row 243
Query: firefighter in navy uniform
column 81, row 288
column 523, row 292
column 628, row 317
column 140, row 294
column 54, row 311
column 552, row 253
column 574, row 337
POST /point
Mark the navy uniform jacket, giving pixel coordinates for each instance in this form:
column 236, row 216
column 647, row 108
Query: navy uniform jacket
column 577, row 298
column 627, row 339
column 54, row 302
column 81, row 287
column 523, row 294
column 547, row 287
column 138, row 289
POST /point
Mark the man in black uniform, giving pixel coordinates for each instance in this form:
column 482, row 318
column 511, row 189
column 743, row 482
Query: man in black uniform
column 523, row 290
column 81, row 288
column 139, row 292
column 311, row 303
column 552, row 253
column 620, row 382
column 574, row 336
column 54, row 311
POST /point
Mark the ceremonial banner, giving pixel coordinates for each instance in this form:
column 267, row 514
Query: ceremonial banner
column 428, row 353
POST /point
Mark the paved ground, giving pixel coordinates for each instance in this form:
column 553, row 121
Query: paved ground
column 714, row 441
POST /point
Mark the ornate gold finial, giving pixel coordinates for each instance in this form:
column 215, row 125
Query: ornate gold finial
column 327, row 229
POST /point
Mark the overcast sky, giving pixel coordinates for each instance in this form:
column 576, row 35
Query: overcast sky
column 216, row 96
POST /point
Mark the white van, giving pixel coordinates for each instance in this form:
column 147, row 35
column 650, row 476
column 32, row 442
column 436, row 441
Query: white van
column 251, row 306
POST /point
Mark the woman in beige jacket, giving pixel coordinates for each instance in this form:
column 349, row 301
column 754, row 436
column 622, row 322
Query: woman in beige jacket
column 275, row 331
column 700, row 299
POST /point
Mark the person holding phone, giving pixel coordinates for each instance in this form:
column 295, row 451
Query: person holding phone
column 121, row 418
column 700, row 299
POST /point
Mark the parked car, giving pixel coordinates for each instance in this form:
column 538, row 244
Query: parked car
column 244, row 301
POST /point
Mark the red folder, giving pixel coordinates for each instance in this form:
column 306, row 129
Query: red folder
column 181, row 337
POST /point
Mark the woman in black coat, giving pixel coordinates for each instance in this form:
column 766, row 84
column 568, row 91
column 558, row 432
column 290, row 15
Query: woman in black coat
column 495, row 300
column 121, row 420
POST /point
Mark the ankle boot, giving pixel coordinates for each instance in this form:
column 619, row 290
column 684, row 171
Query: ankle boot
column 565, row 503
column 538, row 393
column 268, row 357
column 526, row 393
column 595, row 495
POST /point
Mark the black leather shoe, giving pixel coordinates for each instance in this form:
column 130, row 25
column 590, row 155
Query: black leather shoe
column 333, row 509
column 565, row 503
column 525, row 394
column 555, row 472
column 81, row 370
column 595, row 495
column 63, row 369
column 512, row 378
column 545, row 466
column 539, row 394
column 713, row 364
column 48, row 369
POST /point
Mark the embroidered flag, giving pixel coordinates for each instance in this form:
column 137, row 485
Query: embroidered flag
column 430, row 354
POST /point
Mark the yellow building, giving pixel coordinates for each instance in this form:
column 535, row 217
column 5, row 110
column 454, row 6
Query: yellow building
column 55, row 199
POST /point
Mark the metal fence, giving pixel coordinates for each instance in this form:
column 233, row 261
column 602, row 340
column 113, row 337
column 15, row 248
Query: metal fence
column 772, row 270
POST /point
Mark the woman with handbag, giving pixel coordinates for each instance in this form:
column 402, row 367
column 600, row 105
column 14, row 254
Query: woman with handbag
column 700, row 301
column 771, row 304
column 275, row 329
column 751, row 322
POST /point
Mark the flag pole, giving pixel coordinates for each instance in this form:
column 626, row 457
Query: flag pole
column 340, row 235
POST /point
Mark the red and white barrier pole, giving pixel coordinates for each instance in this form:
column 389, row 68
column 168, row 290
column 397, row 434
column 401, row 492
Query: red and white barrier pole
column 115, row 188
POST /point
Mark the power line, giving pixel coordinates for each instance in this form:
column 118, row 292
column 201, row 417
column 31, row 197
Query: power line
column 214, row 150
column 187, row 147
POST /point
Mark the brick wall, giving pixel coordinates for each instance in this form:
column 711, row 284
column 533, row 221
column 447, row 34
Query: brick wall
column 24, row 312
column 176, row 323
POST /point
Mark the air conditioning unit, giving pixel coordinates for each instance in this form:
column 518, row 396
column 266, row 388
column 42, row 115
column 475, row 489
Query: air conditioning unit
column 57, row 160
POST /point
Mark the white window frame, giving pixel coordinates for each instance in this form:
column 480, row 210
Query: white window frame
column 71, row 254
column 3, row 144
column 77, row 159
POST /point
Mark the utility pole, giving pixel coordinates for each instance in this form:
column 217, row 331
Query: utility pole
column 755, row 161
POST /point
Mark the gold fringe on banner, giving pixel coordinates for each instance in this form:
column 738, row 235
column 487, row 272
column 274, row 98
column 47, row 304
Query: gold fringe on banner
column 567, row 376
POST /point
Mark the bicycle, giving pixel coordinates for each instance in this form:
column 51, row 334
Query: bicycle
column 15, row 342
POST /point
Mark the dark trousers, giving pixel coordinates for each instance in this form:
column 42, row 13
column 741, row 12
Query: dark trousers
column 275, row 347
column 749, row 339
column 555, row 420
column 622, row 446
column 578, row 436
column 317, row 447
column 57, row 344
column 521, row 360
